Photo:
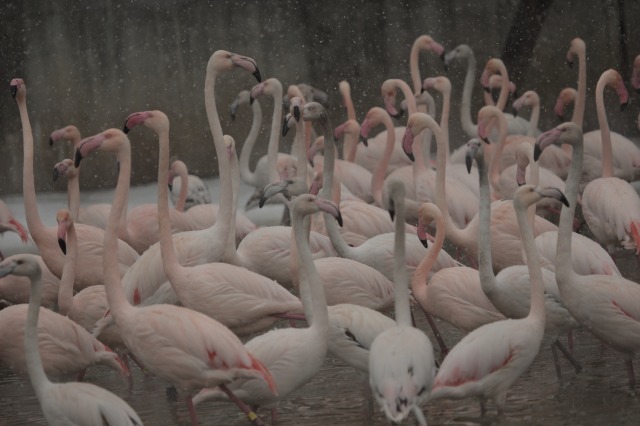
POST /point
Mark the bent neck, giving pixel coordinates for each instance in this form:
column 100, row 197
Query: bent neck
column 35, row 369
column 274, row 138
column 377, row 178
column 73, row 195
column 485, row 265
column 605, row 133
column 579, row 106
column 401, row 292
column 423, row 269
column 65, row 291
column 247, row 147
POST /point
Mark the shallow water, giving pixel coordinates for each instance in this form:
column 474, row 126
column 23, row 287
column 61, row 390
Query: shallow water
column 597, row 395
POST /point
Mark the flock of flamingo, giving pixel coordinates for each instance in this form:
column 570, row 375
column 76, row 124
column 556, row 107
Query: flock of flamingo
column 191, row 294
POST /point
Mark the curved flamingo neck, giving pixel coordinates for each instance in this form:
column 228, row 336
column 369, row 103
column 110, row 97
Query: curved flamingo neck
column 230, row 207
column 118, row 303
column 247, row 147
column 310, row 287
column 170, row 263
column 536, row 309
column 377, row 178
column 504, row 87
column 34, row 222
column 564, row 265
column 33, row 360
column 465, row 107
column 212, row 115
column 534, row 174
column 485, row 265
column 184, row 188
column 423, row 269
column 579, row 106
column 274, row 138
column 65, row 291
column 535, row 117
column 345, row 91
column 301, row 147
column 494, row 166
column 73, row 194
column 605, row 133
column 329, row 159
column 401, row 292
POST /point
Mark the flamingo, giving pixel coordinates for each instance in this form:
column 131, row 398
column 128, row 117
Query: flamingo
column 186, row 348
column 94, row 214
column 203, row 246
column 401, row 362
column 15, row 289
column 606, row 305
column 506, row 240
column 487, row 361
column 293, row 355
column 610, row 206
column 45, row 238
column 196, row 192
column 509, row 290
column 203, row 214
column 451, row 294
column 10, row 223
column 62, row 403
column 243, row 300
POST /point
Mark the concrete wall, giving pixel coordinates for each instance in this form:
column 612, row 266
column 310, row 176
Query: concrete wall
column 93, row 63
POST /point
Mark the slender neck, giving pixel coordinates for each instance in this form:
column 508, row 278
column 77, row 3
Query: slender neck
column 485, row 265
column 184, row 189
column 350, row 143
column 423, row 269
column 534, row 119
column 73, row 194
column 310, row 287
column 118, row 303
column 31, row 348
column 607, row 150
column 214, row 119
column 377, row 178
column 329, row 159
column 65, row 291
column 564, row 266
column 504, row 88
column 274, row 138
column 401, row 292
column 172, row 267
column 230, row 209
column 34, row 222
column 465, row 107
column 247, row 147
column 494, row 167
column 536, row 309
column 534, row 179
column 345, row 90
column 299, row 141
column 579, row 106
column 444, row 119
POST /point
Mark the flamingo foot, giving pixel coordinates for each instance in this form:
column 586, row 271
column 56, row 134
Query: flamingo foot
column 251, row 414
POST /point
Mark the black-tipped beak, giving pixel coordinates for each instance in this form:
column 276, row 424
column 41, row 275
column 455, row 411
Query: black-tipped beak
column 392, row 213
column 536, row 152
column 170, row 185
column 339, row 219
column 251, row 99
column 514, row 112
column 364, row 141
column 63, row 245
column 77, row 158
column 56, row 174
column 50, row 142
column 570, row 63
column 14, row 91
column 125, row 129
column 296, row 112
column 442, row 57
column 564, row 200
column 257, row 75
column 468, row 161
column 411, row 156
column 425, row 243
column 623, row 106
column 486, row 140
column 285, row 127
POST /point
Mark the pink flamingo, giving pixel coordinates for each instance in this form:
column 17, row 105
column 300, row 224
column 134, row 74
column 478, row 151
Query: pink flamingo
column 62, row 403
column 606, row 305
column 506, row 240
column 186, row 348
column 243, row 300
column 15, row 289
column 487, row 361
column 10, row 223
column 610, row 206
column 626, row 155
column 293, row 355
column 93, row 214
column 203, row 246
column 401, row 362
column 45, row 238
column 451, row 294
column 509, row 290
column 196, row 192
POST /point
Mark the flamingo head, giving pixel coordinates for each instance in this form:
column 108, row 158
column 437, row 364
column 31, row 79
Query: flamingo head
column 64, row 168
column 24, row 265
column 221, row 60
column 63, row 217
column 18, row 89
column 110, row 140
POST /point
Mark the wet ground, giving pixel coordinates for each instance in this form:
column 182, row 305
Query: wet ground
column 598, row 395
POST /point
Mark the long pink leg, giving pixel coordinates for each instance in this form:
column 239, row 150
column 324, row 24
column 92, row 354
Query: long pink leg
column 251, row 415
column 192, row 410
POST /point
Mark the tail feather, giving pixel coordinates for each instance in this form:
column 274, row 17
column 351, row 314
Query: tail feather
column 24, row 235
column 258, row 366
column 635, row 234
